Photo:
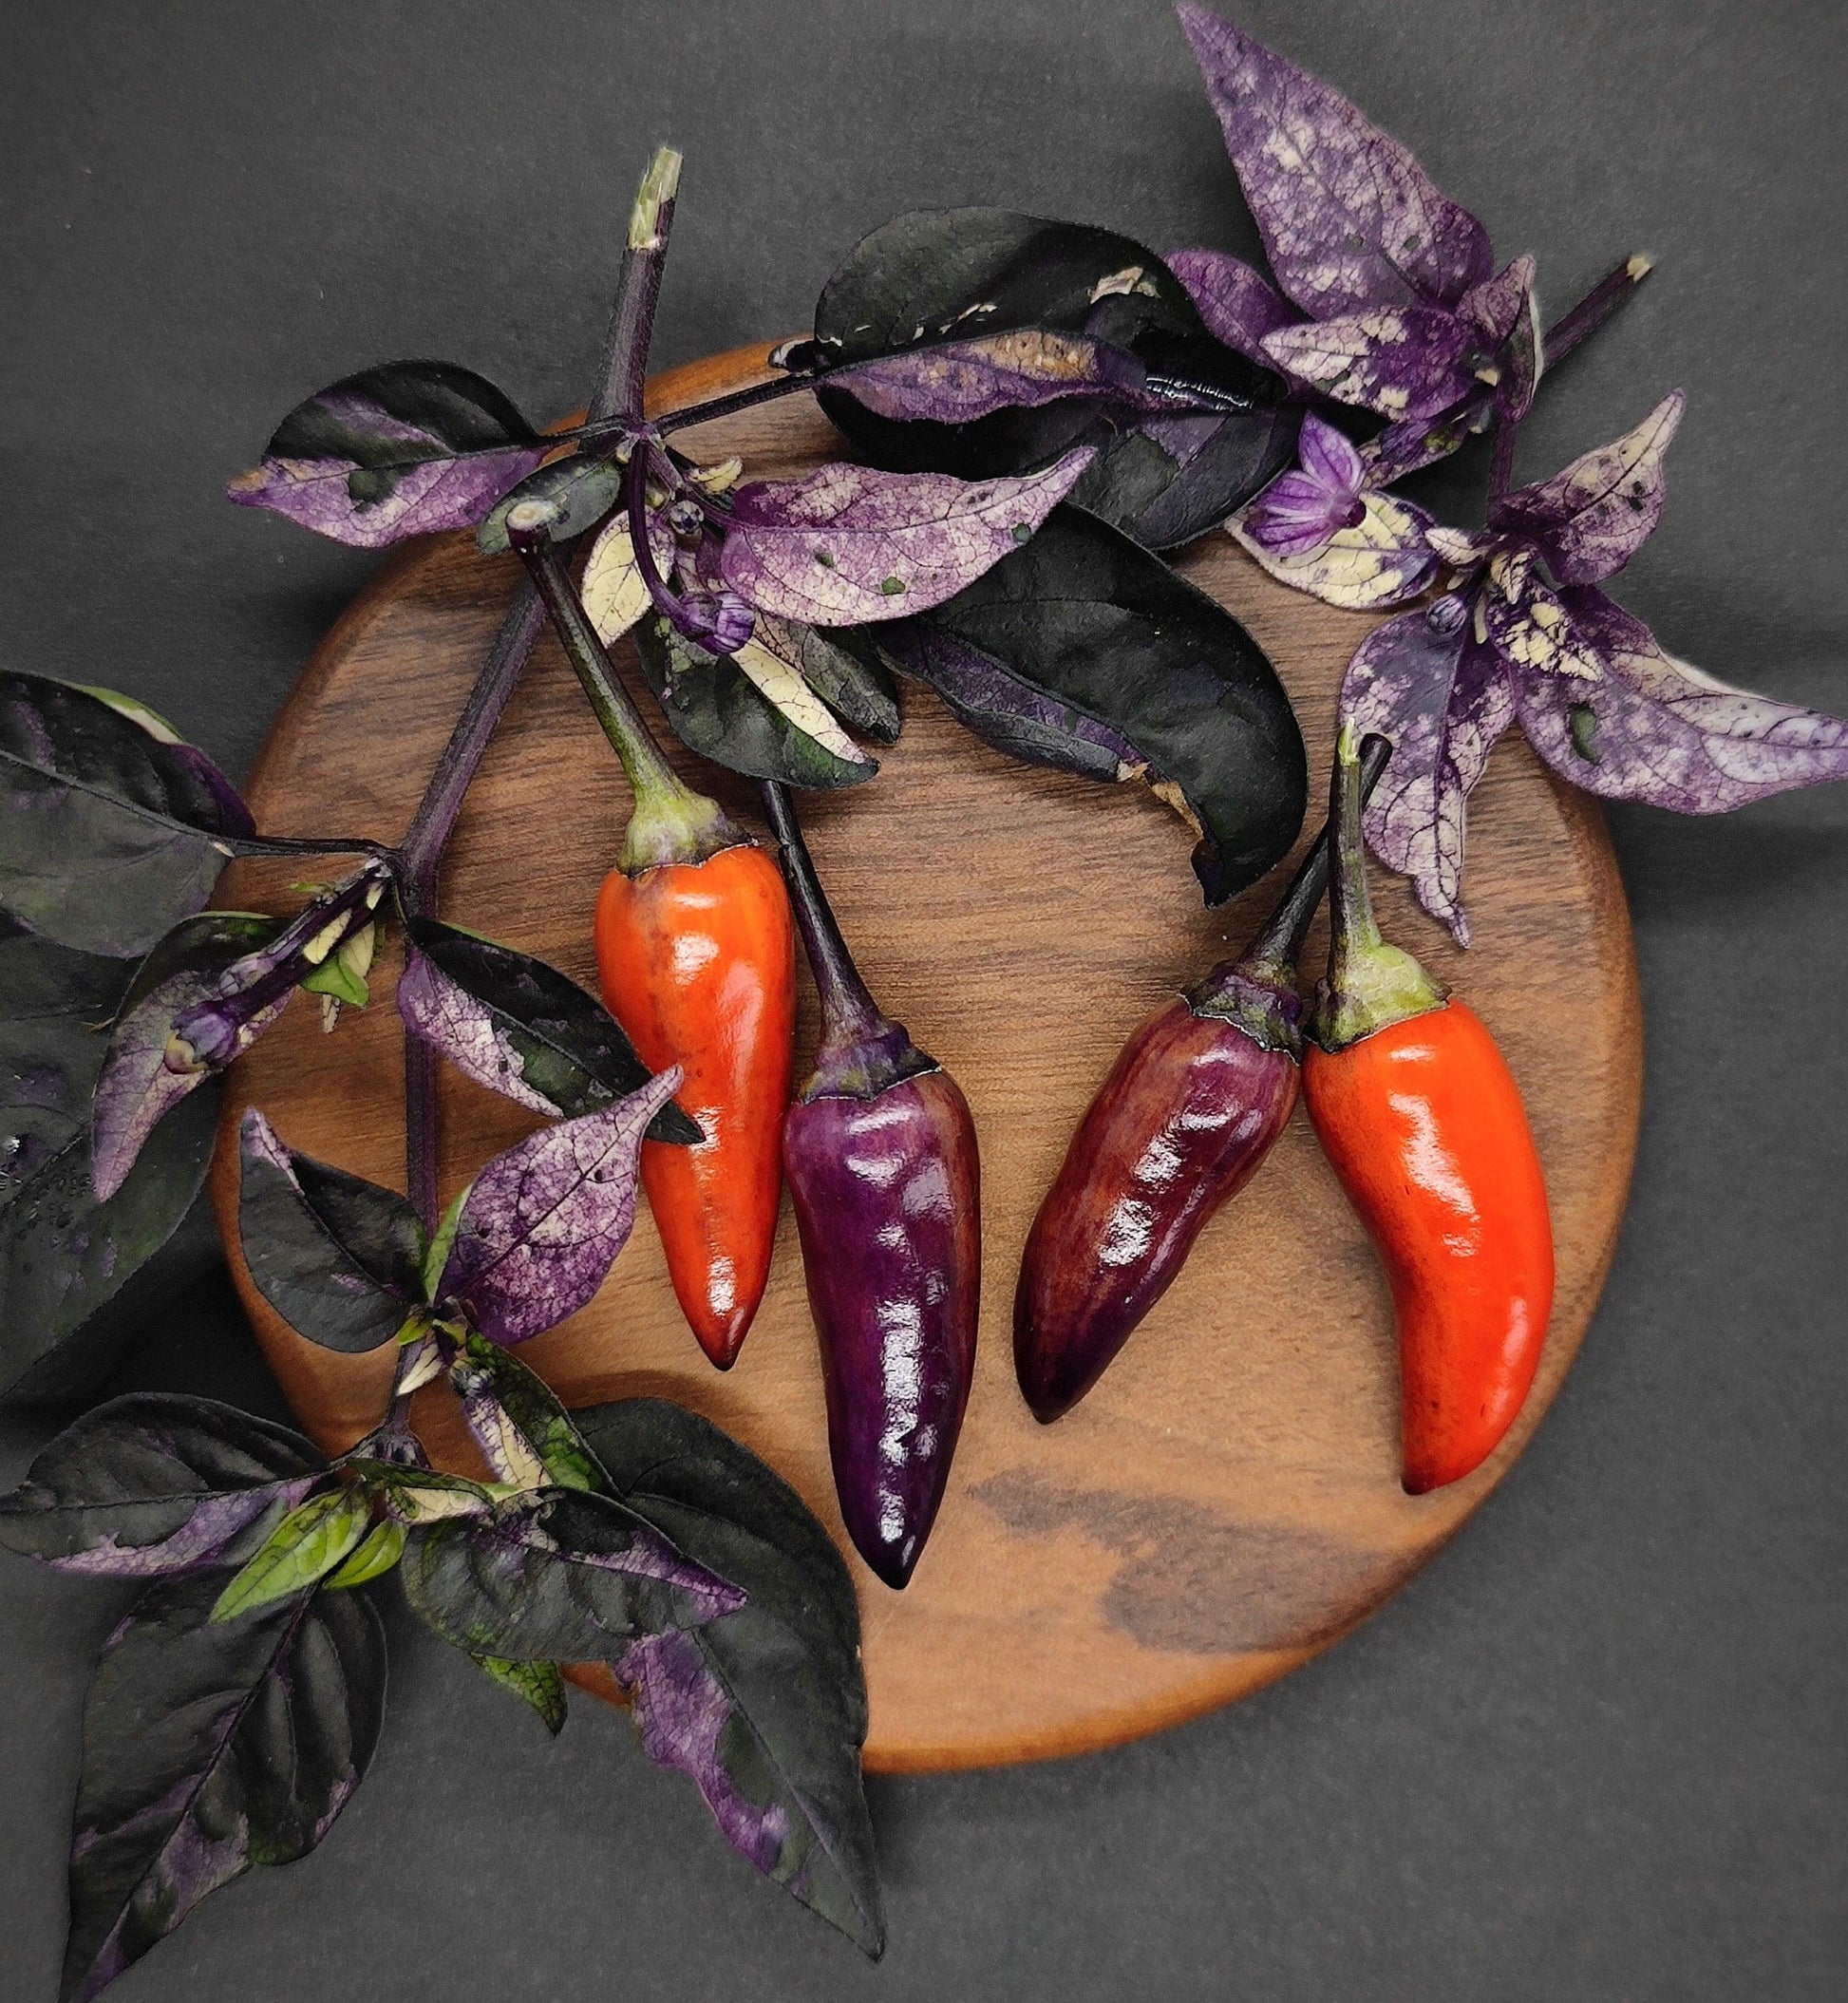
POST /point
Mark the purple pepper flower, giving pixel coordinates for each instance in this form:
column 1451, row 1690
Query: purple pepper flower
column 1302, row 509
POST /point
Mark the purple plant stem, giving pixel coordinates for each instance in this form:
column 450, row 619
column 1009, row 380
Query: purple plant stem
column 848, row 1011
column 1592, row 311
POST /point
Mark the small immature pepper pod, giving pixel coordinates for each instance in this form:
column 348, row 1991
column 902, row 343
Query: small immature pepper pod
column 1422, row 1122
column 696, row 958
column 1196, row 1101
column 879, row 1150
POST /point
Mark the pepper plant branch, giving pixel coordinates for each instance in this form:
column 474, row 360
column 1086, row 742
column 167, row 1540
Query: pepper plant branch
column 625, row 355
column 1592, row 311
column 1501, row 454
column 847, row 1006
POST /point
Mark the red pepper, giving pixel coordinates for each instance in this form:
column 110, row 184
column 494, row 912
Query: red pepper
column 1422, row 1122
column 696, row 958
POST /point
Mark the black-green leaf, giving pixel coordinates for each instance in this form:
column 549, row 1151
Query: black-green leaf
column 209, row 1750
column 338, row 1258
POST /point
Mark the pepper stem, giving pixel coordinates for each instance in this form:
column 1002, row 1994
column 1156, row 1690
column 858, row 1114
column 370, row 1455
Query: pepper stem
column 861, row 1051
column 672, row 822
column 1371, row 985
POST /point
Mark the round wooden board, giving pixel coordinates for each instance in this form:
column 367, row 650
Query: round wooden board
column 1227, row 1502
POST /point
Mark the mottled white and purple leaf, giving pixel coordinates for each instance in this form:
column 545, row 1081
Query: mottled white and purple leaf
column 848, row 545
column 403, row 449
column 152, row 1484
column 1650, row 727
column 1349, row 218
column 209, row 1750
column 957, row 382
column 1441, row 698
column 544, row 1222
column 1589, row 520
column 1406, row 363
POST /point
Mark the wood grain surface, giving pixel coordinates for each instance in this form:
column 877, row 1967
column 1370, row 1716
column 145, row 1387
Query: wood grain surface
column 1226, row 1502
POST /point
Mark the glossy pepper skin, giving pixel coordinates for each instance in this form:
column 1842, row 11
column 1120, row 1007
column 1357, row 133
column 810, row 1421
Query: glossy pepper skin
column 1197, row 1098
column 888, row 1202
column 1424, row 1124
column 1421, row 1121
column 696, row 961
column 880, row 1154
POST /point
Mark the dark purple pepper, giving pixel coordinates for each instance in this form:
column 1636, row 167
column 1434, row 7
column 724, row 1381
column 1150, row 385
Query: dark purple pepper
column 879, row 1154
column 1195, row 1102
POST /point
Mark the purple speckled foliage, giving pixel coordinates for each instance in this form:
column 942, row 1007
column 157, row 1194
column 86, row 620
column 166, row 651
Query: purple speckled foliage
column 1301, row 509
column 1422, row 681
column 955, row 382
column 1349, row 218
column 682, row 1711
column 887, row 1198
column 1416, row 443
column 850, row 544
column 1403, row 362
column 1496, row 305
column 1589, row 520
column 1653, row 728
column 1238, row 304
column 544, row 1222
column 467, row 1031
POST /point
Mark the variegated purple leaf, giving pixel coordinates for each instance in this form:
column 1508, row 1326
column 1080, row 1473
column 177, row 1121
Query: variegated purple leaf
column 1530, row 623
column 615, row 594
column 848, row 545
column 150, row 1484
column 1589, row 520
column 1522, row 358
column 1404, row 362
column 955, row 382
column 577, row 1580
column 1495, row 307
column 544, row 1222
column 404, row 450
column 209, row 1750
column 1441, row 698
column 1381, row 559
column 1651, row 727
column 683, row 1714
column 1302, row 509
column 1349, row 218
column 200, row 1002
column 1417, row 442
column 1239, row 304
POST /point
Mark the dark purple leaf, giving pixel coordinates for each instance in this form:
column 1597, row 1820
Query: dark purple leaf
column 544, row 1222
column 1651, row 727
column 152, row 1484
column 208, row 1749
column 1349, row 218
column 521, row 1028
column 114, row 830
column 770, row 1718
column 399, row 450
column 1014, row 715
column 339, row 1259
column 1238, row 304
column 1441, row 699
column 955, row 382
column 577, row 1580
column 202, row 997
column 847, row 545
column 1406, row 363
column 1407, row 448
column 1589, row 520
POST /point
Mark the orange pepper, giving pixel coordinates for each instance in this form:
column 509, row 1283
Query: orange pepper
column 697, row 963
column 1420, row 1117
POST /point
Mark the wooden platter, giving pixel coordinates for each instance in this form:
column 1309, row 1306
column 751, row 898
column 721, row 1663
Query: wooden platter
column 1227, row 1502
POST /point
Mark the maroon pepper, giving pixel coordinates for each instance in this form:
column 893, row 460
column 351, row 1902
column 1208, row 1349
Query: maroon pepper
column 879, row 1154
column 1195, row 1102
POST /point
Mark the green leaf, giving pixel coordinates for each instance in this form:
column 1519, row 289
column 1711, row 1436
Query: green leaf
column 381, row 1549
column 443, row 1243
column 308, row 1544
column 343, row 976
column 573, row 495
column 539, row 1683
column 484, row 1374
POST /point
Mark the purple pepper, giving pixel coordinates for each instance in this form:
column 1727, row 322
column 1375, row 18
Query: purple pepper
column 1197, row 1098
column 879, row 1153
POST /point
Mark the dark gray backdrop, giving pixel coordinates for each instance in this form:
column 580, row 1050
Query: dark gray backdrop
column 1596, row 1751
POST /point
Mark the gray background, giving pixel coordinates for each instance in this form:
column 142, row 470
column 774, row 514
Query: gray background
column 1596, row 1751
